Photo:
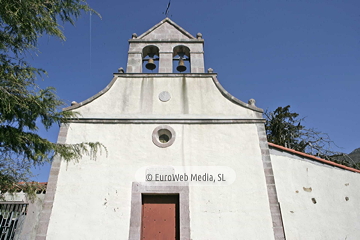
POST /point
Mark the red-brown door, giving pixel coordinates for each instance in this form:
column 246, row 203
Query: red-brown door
column 160, row 217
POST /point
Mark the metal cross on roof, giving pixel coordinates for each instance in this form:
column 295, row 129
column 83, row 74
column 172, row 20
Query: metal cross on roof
column 167, row 9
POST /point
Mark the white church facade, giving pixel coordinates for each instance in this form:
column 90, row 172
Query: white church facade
column 186, row 160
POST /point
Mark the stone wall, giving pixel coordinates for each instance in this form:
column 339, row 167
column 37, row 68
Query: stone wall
column 29, row 223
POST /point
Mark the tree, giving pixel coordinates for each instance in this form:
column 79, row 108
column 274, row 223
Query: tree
column 24, row 106
column 285, row 128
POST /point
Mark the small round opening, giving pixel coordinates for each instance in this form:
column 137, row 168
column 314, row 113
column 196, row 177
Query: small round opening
column 164, row 135
column 164, row 138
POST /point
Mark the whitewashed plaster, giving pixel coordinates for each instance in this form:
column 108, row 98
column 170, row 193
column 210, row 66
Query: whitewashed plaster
column 93, row 198
column 298, row 181
column 191, row 97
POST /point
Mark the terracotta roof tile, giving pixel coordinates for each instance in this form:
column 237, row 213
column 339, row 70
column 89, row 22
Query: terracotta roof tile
column 313, row 157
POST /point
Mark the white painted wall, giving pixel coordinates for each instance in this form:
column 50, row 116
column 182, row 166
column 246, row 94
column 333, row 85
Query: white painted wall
column 332, row 217
column 191, row 97
column 93, row 198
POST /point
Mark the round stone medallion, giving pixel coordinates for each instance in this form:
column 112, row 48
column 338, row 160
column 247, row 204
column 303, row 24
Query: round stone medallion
column 164, row 96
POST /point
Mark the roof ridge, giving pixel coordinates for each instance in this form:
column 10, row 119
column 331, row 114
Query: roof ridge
column 183, row 31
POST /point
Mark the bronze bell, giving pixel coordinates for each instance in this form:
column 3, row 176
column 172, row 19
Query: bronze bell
column 150, row 65
column 181, row 67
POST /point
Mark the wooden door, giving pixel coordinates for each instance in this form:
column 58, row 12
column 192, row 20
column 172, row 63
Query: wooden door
column 160, row 217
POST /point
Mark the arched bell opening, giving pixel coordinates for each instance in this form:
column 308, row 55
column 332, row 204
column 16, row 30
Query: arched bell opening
column 181, row 59
column 150, row 59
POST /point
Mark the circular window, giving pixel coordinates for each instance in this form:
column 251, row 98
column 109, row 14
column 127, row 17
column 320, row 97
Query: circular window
column 163, row 136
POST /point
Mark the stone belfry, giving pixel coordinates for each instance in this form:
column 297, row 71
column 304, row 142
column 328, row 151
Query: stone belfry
column 166, row 40
column 164, row 117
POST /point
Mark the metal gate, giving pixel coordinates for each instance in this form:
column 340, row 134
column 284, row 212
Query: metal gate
column 12, row 215
column 160, row 217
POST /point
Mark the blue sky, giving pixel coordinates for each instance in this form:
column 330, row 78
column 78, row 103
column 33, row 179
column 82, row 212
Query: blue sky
column 300, row 53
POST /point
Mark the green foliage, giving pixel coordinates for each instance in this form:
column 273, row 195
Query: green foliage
column 23, row 22
column 346, row 159
column 285, row 128
column 24, row 107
